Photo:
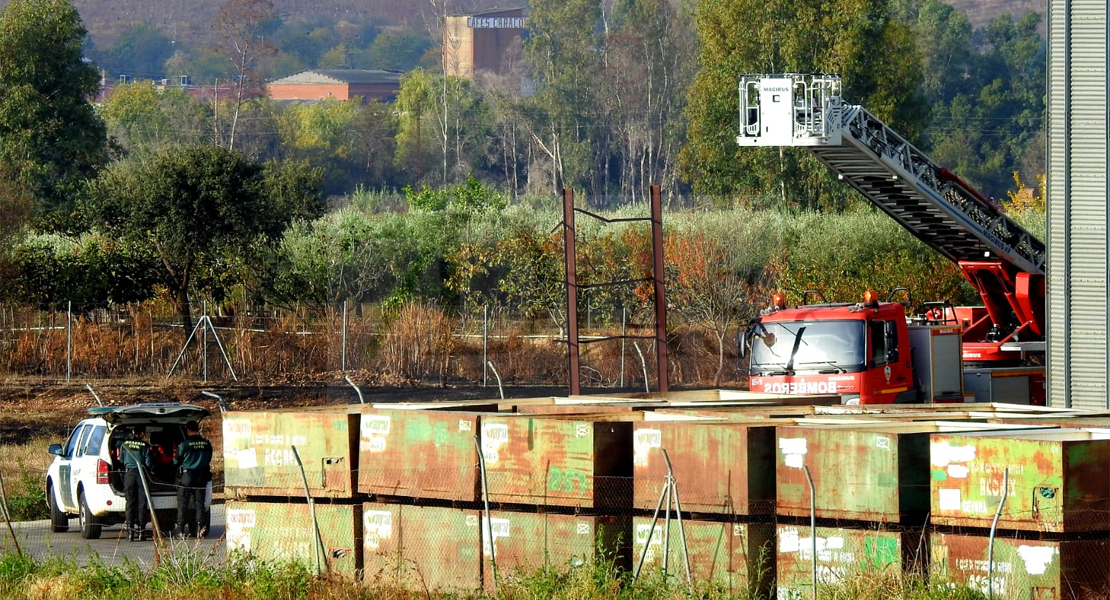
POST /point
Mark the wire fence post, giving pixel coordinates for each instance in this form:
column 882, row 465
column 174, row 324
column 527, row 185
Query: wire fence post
column 812, row 526
column 318, row 544
column 485, row 345
column 69, row 339
column 994, row 528
column 343, row 344
column 485, row 501
column 673, row 482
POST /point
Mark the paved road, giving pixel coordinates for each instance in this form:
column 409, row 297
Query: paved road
column 36, row 539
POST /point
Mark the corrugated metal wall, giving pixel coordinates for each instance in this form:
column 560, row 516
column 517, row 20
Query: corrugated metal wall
column 1077, row 198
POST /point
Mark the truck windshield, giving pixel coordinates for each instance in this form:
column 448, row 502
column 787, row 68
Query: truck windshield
column 820, row 346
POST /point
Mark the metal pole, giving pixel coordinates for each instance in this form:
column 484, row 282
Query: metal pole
column 485, row 500
column 93, row 392
column 678, row 512
column 624, row 339
column 667, row 529
column 994, row 528
column 204, row 341
column 570, row 250
column 220, row 346
column 357, row 391
column 185, row 348
column 500, row 389
column 149, row 505
column 658, row 278
column 7, row 516
column 343, row 347
column 219, row 401
column 69, row 339
column 319, row 546
column 651, row 532
column 485, row 345
column 812, row 527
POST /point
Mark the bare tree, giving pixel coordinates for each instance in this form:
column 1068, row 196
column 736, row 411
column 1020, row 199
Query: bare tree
column 242, row 26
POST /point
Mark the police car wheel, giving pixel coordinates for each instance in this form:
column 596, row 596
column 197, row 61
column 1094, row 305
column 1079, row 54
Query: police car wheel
column 90, row 526
column 59, row 521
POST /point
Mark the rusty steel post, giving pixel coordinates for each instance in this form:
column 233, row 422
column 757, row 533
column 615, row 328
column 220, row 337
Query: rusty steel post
column 570, row 250
column 658, row 277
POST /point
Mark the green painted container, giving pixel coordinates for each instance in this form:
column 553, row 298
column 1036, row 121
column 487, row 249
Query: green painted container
column 559, row 461
column 875, row 474
column 1059, row 481
column 739, row 557
column 524, row 543
column 259, row 460
column 418, row 454
column 422, row 546
column 1022, row 569
column 841, row 554
column 720, row 467
column 282, row 531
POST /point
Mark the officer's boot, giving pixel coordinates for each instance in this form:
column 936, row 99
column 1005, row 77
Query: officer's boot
column 130, row 532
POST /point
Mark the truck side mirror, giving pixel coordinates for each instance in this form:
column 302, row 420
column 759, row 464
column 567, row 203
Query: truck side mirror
column 741, row 343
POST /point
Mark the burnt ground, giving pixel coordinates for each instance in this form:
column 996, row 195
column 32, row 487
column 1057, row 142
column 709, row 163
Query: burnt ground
column 33, row 407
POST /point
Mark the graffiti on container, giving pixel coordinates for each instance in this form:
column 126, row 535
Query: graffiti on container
column 278, row 439
column 239, row 522
column 493, row 528
column 279, row 457
column 976, row 572
column 373, row 430
column 571, row 481
column 642, row 443
column 829, row 549
column 377, row 526
column 494, row 435
column 641, row 537
column 793, row 450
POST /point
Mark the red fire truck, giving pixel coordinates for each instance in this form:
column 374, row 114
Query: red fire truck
column 868, row 351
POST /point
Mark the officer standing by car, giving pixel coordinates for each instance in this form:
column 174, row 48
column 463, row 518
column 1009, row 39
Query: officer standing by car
column 194, row 457
column 134, row 451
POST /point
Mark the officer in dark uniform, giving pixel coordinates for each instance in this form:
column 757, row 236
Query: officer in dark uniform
column 194, row 458
column 132, row 452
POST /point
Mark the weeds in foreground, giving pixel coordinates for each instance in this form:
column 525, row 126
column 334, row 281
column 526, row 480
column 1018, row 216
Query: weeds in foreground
column 26, row 498
column 190, row 572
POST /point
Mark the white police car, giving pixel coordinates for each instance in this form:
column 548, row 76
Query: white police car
column 86, row 480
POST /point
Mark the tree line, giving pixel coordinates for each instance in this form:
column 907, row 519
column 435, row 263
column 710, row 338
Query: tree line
column 446, row 193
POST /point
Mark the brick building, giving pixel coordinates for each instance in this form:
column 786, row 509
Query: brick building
column 339, row 84
column 482, row 41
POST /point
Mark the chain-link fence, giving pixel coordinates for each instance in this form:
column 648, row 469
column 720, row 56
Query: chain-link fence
column 420, row 342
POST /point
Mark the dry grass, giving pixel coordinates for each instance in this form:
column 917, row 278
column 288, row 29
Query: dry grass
column 22, row 467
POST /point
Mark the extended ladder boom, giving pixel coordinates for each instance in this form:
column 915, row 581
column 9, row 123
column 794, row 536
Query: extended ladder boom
column 1003, row 261
column 936, row 206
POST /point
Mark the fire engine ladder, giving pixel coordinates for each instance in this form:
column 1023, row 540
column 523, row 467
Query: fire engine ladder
column 937, row 207
column 929, row 201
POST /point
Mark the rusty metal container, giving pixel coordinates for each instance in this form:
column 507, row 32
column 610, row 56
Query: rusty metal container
column 1023, row 569
column 418, row 546
column 720, row 467
column 259, row 459
column 587, row 408
column 870, row 474
column 1059, row 480
column 574, row 461
column 740, row 557
column 418, row 454
column 282, row 531
column 842, row 554
column 524, row 543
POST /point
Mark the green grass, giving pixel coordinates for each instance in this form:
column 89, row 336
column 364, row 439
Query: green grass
column 187, row 572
